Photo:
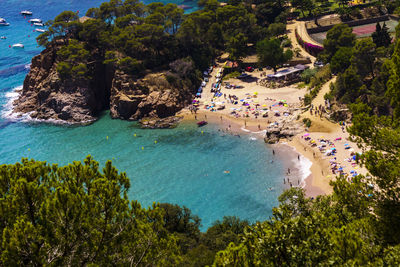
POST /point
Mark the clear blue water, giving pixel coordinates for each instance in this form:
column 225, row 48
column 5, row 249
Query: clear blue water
column 185, row 166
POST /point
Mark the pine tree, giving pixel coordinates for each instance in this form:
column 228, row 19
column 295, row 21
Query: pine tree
column 381, row 36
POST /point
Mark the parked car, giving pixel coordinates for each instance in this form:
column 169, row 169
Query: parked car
column 318, row 64
column 249, row 69
column 203, row 84
column 206, row 79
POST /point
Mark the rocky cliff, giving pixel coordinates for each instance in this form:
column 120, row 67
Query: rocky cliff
column 152, row 96
column 45, row 96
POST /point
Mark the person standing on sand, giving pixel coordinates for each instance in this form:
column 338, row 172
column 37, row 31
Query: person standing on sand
column 273, row 152
column 298, row 157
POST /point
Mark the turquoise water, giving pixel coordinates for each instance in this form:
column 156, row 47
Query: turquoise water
column 185, row 166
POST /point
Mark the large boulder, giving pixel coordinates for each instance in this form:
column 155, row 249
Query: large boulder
column 152, row 96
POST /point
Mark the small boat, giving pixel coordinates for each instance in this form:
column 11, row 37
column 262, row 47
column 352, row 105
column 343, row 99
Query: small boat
column 35, row 21
column 26, row 12
column 17, row 45
column 40, row 30
column 38, row 24
column 184, row 7
column 3, row 22
column 201, row 123
column 3, row 37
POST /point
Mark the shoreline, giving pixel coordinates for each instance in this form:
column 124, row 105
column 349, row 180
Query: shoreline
column 9, row 114
column 312, row 177
column 289, row 148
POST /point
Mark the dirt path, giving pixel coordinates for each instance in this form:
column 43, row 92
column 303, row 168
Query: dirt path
column 321, row 124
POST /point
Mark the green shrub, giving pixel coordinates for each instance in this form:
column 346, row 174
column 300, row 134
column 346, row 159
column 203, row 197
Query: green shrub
column 307, row 74
column 321, row 76
column 307, row 122
column 130, row 65
column 64, row 69
column 307, row 99
column 233, row 74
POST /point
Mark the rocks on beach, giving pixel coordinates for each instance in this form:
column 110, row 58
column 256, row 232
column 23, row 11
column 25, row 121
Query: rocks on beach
column 275, row 133
column 166, row 123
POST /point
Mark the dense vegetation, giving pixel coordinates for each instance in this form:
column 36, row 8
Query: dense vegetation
column 138, row 38
column 77, row 215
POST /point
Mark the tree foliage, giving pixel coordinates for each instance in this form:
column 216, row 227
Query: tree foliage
column 146, row 37
column 339, row 36
column 77, row 215
column 381, row 36
column 270, row 53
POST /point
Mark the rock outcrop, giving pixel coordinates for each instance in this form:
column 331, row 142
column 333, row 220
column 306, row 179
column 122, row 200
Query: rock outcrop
column 286, row 131
column 152, row 96
column 165, row 123
column 47, row 97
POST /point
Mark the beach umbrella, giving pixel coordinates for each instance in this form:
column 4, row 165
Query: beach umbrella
column 264, row 105
column 307, row 134
column 255, row 93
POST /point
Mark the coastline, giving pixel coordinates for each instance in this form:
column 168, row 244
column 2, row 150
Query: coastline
column 305, row 161
column 303, row 167
column 9, row 114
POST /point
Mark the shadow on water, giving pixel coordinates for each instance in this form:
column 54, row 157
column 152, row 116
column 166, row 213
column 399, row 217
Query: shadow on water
column 13, row 70
column 7, row 60
column 4, row 124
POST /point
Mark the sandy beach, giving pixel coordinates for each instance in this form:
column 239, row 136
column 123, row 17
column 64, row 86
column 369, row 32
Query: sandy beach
column 312, row 145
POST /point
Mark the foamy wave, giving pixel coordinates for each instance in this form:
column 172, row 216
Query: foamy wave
column 9, row 114
column 304, row 167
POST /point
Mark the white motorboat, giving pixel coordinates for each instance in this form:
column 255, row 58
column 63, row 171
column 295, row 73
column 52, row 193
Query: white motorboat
column 3, row 22
column 3, row 37
column 26, row 12
column 40, row 30
column 35, row 21
column 17, row 46
column 38, row 24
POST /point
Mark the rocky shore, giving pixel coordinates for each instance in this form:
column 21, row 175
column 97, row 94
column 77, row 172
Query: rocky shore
column 45, row 96
column 283, row 131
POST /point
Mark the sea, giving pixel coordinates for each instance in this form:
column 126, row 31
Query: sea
column 211, row 172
